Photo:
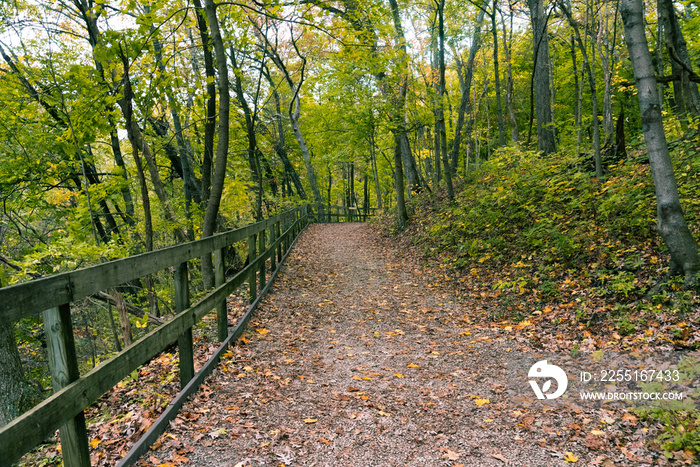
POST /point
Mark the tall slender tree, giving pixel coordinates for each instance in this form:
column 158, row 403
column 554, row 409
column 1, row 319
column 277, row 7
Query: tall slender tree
column 540, row 77
column 669, row 214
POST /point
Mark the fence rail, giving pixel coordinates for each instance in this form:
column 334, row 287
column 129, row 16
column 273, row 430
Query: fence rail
column 324, row 213
column 268, row 240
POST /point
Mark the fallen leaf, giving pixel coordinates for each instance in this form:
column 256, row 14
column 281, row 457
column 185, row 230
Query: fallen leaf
column 398, row 375
column 451, row 455
column 217, row 433
column 569, row 457
column 480, row 401
column 310, row 420
column 95, row 442
column 412, row 365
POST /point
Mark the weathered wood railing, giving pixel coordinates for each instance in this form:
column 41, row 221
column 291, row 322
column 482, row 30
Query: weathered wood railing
column 267, row 240
column 341, row 213
column 52, row 296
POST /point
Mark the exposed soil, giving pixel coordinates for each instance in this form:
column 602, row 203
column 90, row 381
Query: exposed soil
column 361, row 356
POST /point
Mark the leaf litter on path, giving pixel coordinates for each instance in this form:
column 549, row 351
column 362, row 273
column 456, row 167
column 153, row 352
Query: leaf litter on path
column 363, row 356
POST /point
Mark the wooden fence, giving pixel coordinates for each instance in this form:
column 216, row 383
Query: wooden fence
column 268, row 240
column 340, row 214
column 52, row 296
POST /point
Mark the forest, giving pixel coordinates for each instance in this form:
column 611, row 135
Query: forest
column 529, row 144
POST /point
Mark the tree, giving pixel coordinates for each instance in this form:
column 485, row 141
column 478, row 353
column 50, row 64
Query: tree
column 294, row 108
column 466, row 84
column 440, row 131
column 540, row 77
column 217, row 182
column 687, row 98
column 16, row 395
column 592, row 84
column 669, row 214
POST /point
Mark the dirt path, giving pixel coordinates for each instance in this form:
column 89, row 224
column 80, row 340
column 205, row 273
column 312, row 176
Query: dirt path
column 358, row 357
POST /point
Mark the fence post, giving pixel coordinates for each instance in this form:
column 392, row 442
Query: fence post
column 262, row 238
column 273, row 239
column 64, row 370
column 184, row 340
column 221, row 312
column 280, row 247
column 252, row 286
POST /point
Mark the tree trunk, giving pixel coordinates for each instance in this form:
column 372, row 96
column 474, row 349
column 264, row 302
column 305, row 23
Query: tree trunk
column 592, row 86
column 497, row 82
column 686, row 94
column 545, row 128
column 437, row 173
column 280, row 144
column 139, row 142
column 441, row 101
column 210, row 124
column 465, row 101
column 294, row 111
column 375, row 172
column 605, row 54
column 148, row 227
column 402, row 215
column 123, row 317
column 192, row 190
column 398, row 114
column 16, row 395
column 670, row 220
column 509, row 84
column 219, row 174
column 250, row 118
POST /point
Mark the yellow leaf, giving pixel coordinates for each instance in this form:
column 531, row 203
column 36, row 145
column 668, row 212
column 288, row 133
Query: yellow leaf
column 227, row 354
column 398, row 375
column 569, row 457
column 480, row 401
column 412, row 365
column 367, row 378
column 597, row 432
column 310, row 420
column 95, row 442
column 384, row 414
column 262, row 331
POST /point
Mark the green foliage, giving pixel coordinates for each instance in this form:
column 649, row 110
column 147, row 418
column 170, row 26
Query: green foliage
column 533, row 216
column 680, row 420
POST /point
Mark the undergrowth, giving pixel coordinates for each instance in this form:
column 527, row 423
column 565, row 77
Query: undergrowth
column 543, row 231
